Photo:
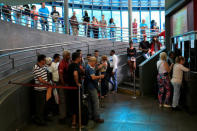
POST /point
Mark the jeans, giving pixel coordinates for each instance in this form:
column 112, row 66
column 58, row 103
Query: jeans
column 55, row 27
column 104, row 32
column 93, row 104
column 45, row 25
column 34, row 24
column 62, row 103
column 74, row 30
column 176, row 94
column 112, row 35
column 113, row 81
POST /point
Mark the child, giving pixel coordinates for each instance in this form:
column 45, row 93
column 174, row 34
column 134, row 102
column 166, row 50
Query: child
column 177, row 79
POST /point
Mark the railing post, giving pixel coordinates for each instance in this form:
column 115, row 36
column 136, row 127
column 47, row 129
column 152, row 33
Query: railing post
column 88, row 48
column 86, row 30
column 13, row 64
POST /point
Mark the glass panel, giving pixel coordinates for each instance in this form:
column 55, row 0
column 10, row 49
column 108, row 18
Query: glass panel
column 163, row 20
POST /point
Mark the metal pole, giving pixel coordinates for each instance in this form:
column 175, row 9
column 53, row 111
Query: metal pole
column 130, row 18
column 66, row 19
column 134, row 85
column 79, row 108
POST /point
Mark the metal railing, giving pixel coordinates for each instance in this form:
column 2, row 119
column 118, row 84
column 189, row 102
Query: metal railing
column 78, row 28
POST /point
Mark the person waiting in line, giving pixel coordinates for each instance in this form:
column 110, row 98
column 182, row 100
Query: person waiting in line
column 145, row 48
column 82, row 62
column 104, row 83
column 95, row 27
column 54, row 68
column 114, row 65
column 86, row 22
column 34, row 17
column 92, row 85
column 177, row 77
column 87, row 59
column 6, row 11
column 74, row 24
column 134, row 25
column 74, row 80
column 131, row 54
column 163, row 80
column 155, row 45
column 55, row 17
column 143, row 27
column 63, row 77
column 112, row 27
column 44, row 14
column 103, row 24
column 26, row 13
column 40, row 77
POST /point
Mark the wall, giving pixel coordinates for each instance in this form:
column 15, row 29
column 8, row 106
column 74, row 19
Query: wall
column 148, row 74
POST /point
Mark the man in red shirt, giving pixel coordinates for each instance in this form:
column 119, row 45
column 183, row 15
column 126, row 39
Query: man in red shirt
column 63, row 75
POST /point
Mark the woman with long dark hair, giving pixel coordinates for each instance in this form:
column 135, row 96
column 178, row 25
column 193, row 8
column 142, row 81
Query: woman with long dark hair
column 112, row 27
column 131, row 53
column 86, row 21
column 155, row 45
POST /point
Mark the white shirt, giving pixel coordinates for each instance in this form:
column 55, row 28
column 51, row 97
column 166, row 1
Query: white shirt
column 160, row 67
column 54, row 71
column 177, row 75
column 114, row 62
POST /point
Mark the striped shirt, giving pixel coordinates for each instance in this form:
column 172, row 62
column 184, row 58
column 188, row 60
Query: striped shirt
column 39, row 72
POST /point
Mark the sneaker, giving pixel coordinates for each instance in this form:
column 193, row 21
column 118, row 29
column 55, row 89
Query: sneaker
column 160, row 105
column 167, row 106
column 99, row 120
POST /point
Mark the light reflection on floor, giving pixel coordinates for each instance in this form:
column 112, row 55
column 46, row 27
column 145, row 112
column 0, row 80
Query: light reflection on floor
column 122, row 113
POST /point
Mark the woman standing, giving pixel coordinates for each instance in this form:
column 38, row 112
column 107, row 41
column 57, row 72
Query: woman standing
column 95, row 27
column 112, row 27
column 86, row 21
column 177, row 77
column 131, row 53
column 163, row 80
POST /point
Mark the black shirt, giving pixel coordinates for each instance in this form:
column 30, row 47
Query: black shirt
column 144, row 45
column 86, row 19
column 73, row 67
column 129, row 50
column 55, row 15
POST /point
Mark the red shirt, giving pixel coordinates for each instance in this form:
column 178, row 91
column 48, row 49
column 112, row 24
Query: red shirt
column 163, row 34
column 63, row 69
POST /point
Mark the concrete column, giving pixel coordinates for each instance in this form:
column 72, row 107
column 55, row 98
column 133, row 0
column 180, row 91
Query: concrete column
column 66, row 19
column 130, row 19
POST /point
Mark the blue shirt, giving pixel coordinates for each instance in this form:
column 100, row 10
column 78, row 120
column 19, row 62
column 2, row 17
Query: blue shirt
column 143, row 25
column 89, row 72
column 44, row 12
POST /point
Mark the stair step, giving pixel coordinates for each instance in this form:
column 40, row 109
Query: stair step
column 128, row 91
column 130, row 84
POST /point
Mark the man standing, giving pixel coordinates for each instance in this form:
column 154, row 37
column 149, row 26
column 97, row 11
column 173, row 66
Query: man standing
column 40, row 77
column 74, row 80
column 114, row 65
column 63, row 76
column 145, row 48
column 55, row 16
column 103, row 24
column 143, row 27
column 74, row 24
column 92, row 85
column 44, row 14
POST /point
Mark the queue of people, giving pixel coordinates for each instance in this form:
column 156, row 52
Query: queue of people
column 170, row 75
column 92, row 75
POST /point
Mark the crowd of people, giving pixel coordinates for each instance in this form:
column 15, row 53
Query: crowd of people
column 99, row 28
column 170, row 75
column 92, row 75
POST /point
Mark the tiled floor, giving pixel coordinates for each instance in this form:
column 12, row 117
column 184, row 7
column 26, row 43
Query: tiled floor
column 122, row 113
